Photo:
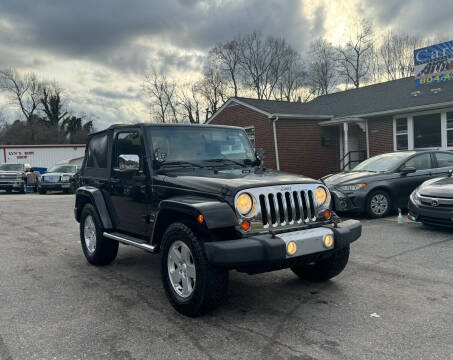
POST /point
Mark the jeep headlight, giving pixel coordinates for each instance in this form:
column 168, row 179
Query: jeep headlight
column 321, row 195
column 352, row 187
column 65, row 178
column 246, row 204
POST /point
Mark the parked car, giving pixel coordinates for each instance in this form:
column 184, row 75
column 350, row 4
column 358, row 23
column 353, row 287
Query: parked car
column 15, row 177
column 432, row 202
column 384, row 182
column 183, row 192
column 58, row 178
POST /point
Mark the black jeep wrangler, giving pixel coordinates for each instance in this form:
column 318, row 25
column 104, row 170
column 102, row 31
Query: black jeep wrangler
column 200, row 196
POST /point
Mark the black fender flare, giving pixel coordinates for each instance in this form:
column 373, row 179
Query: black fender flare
column 94, row 195
column 216, row 214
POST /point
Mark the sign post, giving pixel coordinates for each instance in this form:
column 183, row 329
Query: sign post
column 433, row 64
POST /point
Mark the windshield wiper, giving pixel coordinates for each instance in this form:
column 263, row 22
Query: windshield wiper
column 227, row 160
column 181, row 163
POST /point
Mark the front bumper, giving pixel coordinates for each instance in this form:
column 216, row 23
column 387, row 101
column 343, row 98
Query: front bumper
column 439, row 216
column 267, row 252
column 17, row 185
column 353, row 201
column 60, row 186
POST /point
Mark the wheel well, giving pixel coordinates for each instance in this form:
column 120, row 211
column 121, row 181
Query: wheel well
column 81, row 201
column 167, row 217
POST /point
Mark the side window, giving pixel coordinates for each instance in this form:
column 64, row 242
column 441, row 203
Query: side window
column 420, row 162
column 128, row 143
column 97, row 152
column 444, row 160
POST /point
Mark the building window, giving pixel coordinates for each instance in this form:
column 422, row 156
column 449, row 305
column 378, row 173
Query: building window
column 401, row 134
column 450, row 129
column 250, row 130
column 427, row 133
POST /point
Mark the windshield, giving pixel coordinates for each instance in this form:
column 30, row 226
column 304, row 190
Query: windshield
column 384, row 162
column 12, row 167
column 63, row 169
column 199, row 144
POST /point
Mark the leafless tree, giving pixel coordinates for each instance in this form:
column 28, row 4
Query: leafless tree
column 397, row 54
column 228, row 55
column 24, row 91
column 212, row 87
column 354, row 56
column 161, row 92
column 190, row 103
column 293, row 76
column 322, row 73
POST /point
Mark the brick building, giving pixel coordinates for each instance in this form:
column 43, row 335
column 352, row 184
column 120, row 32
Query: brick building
column 336, row 131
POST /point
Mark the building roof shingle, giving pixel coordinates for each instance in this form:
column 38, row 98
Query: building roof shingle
column 383, row 97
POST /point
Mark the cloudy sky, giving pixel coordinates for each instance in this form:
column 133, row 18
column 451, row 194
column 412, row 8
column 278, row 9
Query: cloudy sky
column 100, row 50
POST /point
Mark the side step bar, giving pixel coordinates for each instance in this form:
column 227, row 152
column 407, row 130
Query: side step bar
column 129, row 240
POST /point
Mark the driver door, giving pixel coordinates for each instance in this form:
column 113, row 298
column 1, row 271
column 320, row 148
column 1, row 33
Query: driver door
column 130, row 183
column 406, row 183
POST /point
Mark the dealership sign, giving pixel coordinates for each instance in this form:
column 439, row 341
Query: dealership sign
column 434, row 64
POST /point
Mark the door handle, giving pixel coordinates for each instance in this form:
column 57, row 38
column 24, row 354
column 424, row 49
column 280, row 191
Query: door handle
column 115, row 180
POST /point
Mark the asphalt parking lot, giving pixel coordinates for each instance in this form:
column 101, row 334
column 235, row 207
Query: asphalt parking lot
column 393, row 301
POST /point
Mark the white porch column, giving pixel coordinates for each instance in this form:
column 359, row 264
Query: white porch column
column 346, row 141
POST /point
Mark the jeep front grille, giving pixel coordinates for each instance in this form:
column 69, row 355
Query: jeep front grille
column 284, row 206
column 281, row 208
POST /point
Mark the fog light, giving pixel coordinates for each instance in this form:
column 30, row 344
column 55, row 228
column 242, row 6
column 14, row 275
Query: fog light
column 291, row 248
column 328, row 241
column 245, row 225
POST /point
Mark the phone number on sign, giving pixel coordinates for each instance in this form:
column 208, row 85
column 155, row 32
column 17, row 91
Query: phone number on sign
column 435, row 78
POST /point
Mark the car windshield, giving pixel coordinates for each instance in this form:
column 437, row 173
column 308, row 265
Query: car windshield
column 63, row 169
column 384, row 162
column 196, row 144
column 11, row 167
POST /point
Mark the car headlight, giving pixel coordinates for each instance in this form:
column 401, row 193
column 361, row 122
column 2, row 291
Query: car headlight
column 321, row 195
column 65, row 178
column 245, row 204
column 352, row 187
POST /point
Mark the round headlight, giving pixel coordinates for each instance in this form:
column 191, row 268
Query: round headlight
column 320, row 195
column 244, row 203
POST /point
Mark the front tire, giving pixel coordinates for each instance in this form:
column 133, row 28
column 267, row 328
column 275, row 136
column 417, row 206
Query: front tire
column 325, row 269
column 378, row 204
column 97, row 249
column 192, row 285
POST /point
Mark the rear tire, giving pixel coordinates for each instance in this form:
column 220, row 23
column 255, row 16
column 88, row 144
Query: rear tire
column 97, row 249
column 325, row 269
column 378, row 204
column 193, row 286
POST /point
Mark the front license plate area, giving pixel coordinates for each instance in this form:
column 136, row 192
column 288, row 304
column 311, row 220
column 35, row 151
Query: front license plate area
column 308, row 241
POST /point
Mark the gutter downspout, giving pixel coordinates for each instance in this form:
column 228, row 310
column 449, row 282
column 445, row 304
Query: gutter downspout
column 274, row 130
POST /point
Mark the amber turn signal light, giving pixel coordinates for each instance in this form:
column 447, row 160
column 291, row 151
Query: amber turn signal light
column 245, row 225
column 327, row 214
column 200, row 218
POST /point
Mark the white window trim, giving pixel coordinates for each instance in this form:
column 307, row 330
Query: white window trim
column 410, row 128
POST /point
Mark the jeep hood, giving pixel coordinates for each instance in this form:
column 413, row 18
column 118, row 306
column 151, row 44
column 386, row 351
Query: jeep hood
column 231, row 180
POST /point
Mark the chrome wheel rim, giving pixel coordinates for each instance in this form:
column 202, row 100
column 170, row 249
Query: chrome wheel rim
column 181, row 269
column 89, row 234
column 379, row 204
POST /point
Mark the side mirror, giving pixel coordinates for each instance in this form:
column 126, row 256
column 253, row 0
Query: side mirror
column 128, row 162
column 450, row 172
column 407, row 170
